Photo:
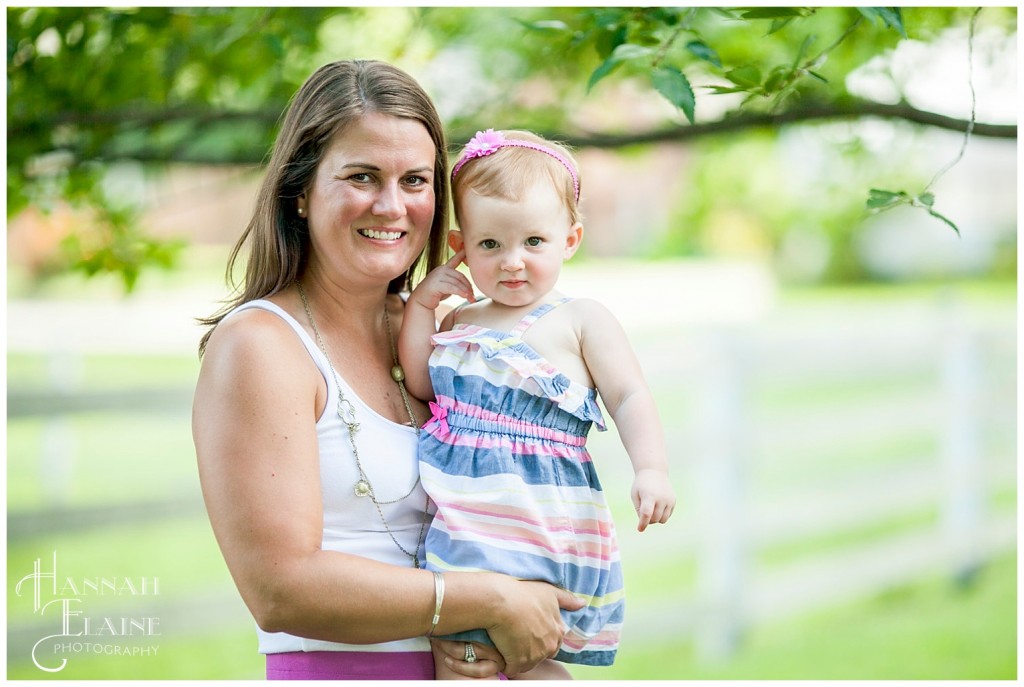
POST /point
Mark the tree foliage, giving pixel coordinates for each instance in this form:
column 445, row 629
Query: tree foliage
column 89, row 87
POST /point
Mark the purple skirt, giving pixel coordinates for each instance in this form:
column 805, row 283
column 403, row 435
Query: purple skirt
column 350, row 665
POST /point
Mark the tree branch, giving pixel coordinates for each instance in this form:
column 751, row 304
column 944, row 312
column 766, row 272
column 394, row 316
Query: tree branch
column 854, row 109
column 753, row 120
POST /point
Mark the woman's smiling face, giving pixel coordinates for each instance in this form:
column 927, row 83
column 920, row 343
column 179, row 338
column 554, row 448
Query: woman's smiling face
column 371, row 204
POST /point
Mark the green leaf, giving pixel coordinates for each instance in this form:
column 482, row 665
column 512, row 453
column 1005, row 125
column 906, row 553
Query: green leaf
column 674, row 85
column 779, row 24
column 670, row 16
column 703, row 51
column 879, row 199
column 817, row 76
column 626, row 51
column 723, row 12
column 944, row 219
column 805, row 45
column 544, row 25
column 608, row 40
column 745, row 76
column 927, row 199
column 603, row 70
column 609, row 17
column 891, row 16
column 629, row 51
column 772, row 13
column 726, row 89
column 777, row 79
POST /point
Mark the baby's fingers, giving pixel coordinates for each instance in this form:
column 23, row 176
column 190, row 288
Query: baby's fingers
column 662, row 513
column 456, row 259
column 461, row 286
column 644, row 511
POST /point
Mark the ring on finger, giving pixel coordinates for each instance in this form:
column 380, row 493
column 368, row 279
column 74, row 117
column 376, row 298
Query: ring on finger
column 470, row 653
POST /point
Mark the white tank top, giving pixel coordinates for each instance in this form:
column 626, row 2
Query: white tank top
column 387, row 451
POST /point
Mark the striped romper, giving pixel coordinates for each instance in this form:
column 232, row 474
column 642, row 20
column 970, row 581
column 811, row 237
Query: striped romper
column 504, row 459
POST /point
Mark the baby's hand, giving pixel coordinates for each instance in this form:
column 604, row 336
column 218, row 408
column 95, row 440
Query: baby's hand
column 442, row 282
column 653, row 497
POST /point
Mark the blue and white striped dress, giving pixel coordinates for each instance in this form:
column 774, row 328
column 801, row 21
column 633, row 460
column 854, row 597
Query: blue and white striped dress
column 504, row 459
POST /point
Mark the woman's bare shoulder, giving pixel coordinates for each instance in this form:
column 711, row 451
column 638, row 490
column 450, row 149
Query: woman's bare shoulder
column 255, row 341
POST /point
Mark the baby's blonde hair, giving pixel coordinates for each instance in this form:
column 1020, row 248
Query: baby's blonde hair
column 510, row 171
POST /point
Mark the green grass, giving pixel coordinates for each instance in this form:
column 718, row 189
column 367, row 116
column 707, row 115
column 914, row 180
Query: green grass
column 114, row 458
column 923, row 631
column 930, row 630
column 857, row 455
column 226, row 655
column 985, row 292
column 199, row 263
column 101, row 372
column 181, row 552
column 183, row 555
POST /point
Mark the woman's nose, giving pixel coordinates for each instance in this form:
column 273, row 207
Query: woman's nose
column 389, row 202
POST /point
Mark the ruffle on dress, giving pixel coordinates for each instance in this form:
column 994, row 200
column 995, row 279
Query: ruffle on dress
column 570, row 396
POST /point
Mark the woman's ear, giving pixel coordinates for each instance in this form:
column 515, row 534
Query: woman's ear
column 455, row 241
column 572, row 241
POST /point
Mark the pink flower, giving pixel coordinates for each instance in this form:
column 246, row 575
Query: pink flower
column 483, row 144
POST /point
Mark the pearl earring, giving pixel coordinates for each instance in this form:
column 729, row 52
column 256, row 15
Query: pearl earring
column 302, row 212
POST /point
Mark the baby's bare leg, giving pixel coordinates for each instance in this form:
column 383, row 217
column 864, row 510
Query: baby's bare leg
column 546, row 670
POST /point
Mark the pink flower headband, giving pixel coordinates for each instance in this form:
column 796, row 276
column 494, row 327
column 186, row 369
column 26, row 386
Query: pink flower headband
column 488, row 142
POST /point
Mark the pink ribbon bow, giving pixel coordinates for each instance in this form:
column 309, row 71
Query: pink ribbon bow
column 439, row 415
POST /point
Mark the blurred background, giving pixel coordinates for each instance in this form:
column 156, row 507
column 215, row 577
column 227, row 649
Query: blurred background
column 806, row 219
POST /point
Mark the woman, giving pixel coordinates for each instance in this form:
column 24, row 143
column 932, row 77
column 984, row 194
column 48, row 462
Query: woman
column 305, row 437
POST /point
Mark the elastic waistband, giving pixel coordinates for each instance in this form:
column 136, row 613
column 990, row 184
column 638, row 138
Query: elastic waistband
column 448, row 413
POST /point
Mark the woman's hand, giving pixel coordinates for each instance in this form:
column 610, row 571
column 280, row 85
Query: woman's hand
column 488, row 664
column 531, row 627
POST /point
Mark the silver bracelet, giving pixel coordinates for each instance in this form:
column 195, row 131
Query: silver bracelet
column 438, row 599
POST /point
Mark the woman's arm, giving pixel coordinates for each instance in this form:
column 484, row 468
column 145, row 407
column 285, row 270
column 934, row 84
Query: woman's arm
column 620, row 381
column 420, row 323
column 254, row 417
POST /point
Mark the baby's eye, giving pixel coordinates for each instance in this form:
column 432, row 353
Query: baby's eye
column 534, row 241
column 488, row 244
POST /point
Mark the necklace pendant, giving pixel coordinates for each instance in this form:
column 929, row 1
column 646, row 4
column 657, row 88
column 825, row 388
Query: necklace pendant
column 416, row 562
column 397, row 373
column 362, row 488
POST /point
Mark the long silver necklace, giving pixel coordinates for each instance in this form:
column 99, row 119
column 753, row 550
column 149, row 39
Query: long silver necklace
column 347, row 412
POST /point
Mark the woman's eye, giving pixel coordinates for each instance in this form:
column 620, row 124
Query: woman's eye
column 415, row 181
column 534, row 241
column 361, row 177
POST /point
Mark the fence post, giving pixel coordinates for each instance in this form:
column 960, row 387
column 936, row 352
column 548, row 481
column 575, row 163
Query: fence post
column 722, row 550
column 960, row 452
column 59, row 443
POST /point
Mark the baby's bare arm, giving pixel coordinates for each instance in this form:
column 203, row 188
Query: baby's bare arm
column 420, row 323
column 620, row 381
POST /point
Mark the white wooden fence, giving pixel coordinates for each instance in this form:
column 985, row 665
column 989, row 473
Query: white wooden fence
column 762, row 452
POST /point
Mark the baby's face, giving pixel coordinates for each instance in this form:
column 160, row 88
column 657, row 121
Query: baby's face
column 515, row 249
